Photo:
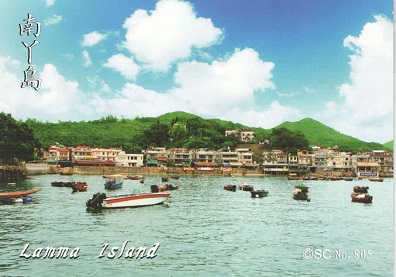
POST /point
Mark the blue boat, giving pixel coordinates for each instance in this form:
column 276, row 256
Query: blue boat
column 113, row 181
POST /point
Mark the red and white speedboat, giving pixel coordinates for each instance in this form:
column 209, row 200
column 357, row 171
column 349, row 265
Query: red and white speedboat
column 102, row 201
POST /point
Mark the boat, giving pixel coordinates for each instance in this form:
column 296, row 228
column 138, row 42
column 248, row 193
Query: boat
column 347, row 179
column 259, row 193
column 358, row 189
column 376, row 179
column 298, row 194
column 230, row 187
column 175, row 177
column 293, row 176
column 102, row 201
column 16, row 194
column 246, row 187
column 164, row 179
column 171, row 187
column 67, row 184
column 302, row 187
column 135, row 177
column 57, row 184
column 113, row 181
column 14, row 200
column 310, row 178
column 79, row 186
column 156, row 188
column 361, row 197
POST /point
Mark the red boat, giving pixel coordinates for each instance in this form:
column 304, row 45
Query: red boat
column 362, row 198
column 79, row 186
column 230, row 187
column 13, row 194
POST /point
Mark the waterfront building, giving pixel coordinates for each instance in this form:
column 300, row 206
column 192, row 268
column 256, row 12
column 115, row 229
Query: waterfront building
column 57, row 153
column 367, row 169
column 180, row 157
column 205, row 158
column 81, row 150
column 106, row 154
column 275, row 162
column 245, row 157
column 129, row 160
column 229, row 157
column 157, row 156
column 384, row 160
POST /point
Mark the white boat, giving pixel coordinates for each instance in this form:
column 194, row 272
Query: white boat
column 102, row 201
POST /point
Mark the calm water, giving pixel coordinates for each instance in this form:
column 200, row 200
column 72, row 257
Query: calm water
column 205, row 230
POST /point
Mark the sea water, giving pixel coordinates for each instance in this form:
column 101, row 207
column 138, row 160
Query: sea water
column 203, row 230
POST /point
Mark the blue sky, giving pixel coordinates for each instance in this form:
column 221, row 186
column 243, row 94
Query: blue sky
column 256, row 62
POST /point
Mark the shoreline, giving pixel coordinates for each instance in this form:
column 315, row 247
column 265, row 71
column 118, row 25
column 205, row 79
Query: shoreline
column 42, row 169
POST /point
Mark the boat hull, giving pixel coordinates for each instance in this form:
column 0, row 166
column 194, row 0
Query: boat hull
column 134, row 201
column 16, row 194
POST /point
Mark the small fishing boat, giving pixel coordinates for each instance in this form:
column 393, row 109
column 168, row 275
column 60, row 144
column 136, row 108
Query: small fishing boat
column 175, row 177
column 156, row 188
column 230, row 187
column 79, row 186
column 113, row 181
column 246, row 187
column 298, row 194
column 259, row 193
column 302, row 187
column 164, row 179
column 57, row 184
column 376, row 179
column 135, row 177
column 102, row 201
column 361, row 197
column 17, row 194
column 358, row 189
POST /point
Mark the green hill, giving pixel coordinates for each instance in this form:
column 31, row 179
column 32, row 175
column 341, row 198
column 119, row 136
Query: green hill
column 389, row 145
column 114, row 132
column 324, row 136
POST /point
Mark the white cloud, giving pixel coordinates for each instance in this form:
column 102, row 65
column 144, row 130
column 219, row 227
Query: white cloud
column 49, row 2
column 124, row 65
column 280, row 94
column 366, row 109
column 58, row 98
column 160, row 37
column 212, row 89
column 93, row 38
column 223, row 89
column 275, row 115
column 54, row 19
column 95, row 82
column 87, row 59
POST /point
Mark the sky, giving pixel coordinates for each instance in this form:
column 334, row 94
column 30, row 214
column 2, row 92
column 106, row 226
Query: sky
column 255, row 62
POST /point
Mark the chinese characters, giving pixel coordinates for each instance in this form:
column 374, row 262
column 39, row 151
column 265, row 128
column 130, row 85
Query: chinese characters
column 27, row 28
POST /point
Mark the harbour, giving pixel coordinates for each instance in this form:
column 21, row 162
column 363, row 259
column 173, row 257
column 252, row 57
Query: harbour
column 204, row 229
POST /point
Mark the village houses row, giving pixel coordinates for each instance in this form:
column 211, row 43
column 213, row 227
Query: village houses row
column 272, row 162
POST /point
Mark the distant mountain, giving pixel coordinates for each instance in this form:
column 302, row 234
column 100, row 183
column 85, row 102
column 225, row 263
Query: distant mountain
column 324, row 136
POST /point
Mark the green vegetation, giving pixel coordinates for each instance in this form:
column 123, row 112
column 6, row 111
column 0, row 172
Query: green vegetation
column 324, row 136
column 288, row 141
column 389, row 145
column 180, row 129
column 16, row 140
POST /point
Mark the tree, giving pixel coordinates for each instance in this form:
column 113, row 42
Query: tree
column 156, row 135
column 288, row 141
column 16, row 140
